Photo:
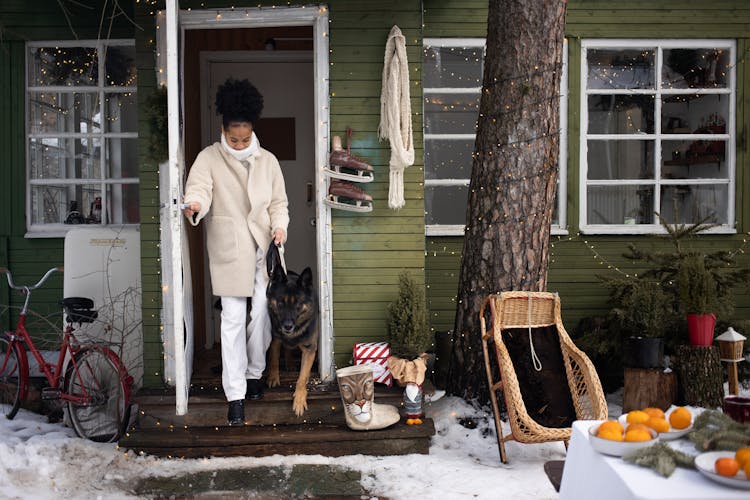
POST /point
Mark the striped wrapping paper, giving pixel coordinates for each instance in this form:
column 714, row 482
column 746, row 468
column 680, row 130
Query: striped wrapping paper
column 375, row 354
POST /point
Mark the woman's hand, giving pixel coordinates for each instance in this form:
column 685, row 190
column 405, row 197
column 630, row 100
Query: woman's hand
column 192, row 208
column 279, row 237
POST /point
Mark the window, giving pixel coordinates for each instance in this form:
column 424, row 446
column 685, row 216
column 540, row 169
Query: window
column 657, row 122
column 82, row 132
column 452, row 87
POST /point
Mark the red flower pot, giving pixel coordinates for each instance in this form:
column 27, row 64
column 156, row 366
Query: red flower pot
column 701, row 329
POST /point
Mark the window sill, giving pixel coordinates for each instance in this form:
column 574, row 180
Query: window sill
column 458, row 230
column 646, row 229
column 59, row 231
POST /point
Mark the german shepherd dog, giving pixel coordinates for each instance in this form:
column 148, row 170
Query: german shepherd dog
column 293, row 309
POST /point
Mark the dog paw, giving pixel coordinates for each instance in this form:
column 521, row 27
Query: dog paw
column 299, row 405
column 273, row 380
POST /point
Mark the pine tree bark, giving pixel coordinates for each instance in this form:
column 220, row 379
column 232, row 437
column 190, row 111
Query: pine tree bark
column 514, row 173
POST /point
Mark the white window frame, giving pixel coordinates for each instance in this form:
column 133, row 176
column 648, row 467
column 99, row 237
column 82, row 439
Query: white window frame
column 55, row 230
column 658, row 136
column 459, row 229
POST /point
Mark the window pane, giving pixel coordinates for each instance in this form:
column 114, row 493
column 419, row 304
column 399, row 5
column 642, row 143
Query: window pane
column 445, row 204
column 621, row 114
column 453, row 67
column 612, row 160
column 63, row 66
column 51, row 112
column 63, row 204
column 448, row 159
column 620, row 205
column 122, row 112
column 119, row 66
column 451, row 113
column 65, row 158
column 694, row 160
column 689, row 204
column 694, row 114
column 122, row 204
column 620, row 68
column 122, row 158
column 695, row 68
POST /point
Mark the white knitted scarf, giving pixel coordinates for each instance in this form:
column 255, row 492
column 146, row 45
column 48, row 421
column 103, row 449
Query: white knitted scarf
column 395, row 114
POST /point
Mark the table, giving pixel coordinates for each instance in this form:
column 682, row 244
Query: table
column 591, row 475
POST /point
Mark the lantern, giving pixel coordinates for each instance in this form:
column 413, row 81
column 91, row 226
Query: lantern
column 731, row 345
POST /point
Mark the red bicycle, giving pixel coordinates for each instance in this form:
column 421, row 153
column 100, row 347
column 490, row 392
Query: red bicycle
column 96, row 385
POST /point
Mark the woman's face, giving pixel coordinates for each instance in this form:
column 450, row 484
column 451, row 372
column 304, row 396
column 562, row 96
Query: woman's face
column 238, row 135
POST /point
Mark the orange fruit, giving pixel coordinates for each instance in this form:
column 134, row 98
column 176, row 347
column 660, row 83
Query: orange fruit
column 746, row 468
column 634, row 435
column 743, row 457
column 642, row 427
column 611, row 425
column 680, row 418
column 654, row 412
column 726, row 466
column 609, row 434
column 658, row 424
column 637, row 417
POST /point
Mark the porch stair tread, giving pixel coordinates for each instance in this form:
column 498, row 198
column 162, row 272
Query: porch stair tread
column 272, row 428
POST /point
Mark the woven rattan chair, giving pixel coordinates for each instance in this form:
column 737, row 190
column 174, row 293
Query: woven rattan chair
column 535, row 310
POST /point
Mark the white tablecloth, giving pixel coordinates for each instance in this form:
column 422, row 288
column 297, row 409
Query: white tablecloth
column 589, row 475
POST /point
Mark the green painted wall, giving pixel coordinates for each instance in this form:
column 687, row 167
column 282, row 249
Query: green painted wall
column 577, row 259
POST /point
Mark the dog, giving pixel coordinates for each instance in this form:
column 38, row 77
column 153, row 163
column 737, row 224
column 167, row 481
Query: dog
column 293, row 309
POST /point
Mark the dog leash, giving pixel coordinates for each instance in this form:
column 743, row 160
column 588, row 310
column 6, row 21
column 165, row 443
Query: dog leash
column 280, row 248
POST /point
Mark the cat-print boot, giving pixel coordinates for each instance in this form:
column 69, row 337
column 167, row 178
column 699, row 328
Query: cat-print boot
column 357, row 387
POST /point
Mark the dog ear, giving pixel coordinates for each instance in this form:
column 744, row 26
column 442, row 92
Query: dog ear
column 305, row 279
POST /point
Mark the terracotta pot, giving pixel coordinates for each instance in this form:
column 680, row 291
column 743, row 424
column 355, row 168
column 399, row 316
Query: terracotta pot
column 701, row 329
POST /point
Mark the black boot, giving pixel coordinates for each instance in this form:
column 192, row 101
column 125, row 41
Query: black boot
column 254, row 389
column 236, row 412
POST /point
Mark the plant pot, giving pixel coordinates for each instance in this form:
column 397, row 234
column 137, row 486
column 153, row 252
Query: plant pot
column 701, row 329
column 738, row 408
column 644, row 352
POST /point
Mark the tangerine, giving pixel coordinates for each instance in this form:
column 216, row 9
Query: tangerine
column 743, row 457
column 609, row 434
column 659, row 424
column 612, row 425
column 637, row 417
column 726, row 466
column 680, row 418
column 746, row 468
column 632, row 427
column 635, row 435
column 654, row 412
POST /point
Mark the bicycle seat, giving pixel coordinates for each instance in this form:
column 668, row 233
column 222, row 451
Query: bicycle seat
column 79, row 310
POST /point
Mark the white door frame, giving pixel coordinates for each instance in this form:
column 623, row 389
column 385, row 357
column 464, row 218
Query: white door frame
column 178, row 21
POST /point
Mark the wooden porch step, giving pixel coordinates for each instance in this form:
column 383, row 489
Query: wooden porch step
column 256, row 441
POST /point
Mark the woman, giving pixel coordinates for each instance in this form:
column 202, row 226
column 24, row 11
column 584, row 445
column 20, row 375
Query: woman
column 239, row 188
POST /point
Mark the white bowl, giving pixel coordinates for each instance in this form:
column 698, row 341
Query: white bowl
column 664, row 436
column 618, row 448
column 705, row 465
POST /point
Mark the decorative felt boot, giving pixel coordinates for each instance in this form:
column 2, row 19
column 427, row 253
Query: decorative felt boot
column 357, row 388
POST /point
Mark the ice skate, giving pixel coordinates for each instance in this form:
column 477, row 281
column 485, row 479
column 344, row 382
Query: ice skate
column 346, row 196
column 344, row 165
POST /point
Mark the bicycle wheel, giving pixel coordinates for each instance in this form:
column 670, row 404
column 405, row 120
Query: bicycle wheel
column 97, row 381
column 10, row 379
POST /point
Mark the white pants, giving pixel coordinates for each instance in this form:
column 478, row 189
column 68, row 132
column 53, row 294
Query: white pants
column 243, row 349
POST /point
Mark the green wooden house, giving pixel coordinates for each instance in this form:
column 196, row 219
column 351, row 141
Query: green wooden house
column 655, row 109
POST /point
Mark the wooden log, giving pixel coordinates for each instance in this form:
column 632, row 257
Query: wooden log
column 648, row 387
column 700, row 376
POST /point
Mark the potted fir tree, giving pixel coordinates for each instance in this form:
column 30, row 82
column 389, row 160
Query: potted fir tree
column 698, row 297
column 409, row 338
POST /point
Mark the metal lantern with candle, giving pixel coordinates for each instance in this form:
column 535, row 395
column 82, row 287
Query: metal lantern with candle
column 731, row 345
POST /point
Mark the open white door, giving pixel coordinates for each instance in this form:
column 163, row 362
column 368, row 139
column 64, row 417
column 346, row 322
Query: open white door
column 177, row 286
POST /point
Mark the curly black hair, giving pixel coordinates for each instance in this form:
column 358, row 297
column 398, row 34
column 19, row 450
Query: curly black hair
column 238, row 101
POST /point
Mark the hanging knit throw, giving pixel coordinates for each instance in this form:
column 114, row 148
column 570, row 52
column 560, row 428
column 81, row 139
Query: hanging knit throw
column 395, row 114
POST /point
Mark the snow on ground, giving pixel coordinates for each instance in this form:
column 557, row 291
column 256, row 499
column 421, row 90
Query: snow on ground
column 39, row 460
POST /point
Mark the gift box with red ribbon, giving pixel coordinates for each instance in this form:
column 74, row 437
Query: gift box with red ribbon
column 375, row 354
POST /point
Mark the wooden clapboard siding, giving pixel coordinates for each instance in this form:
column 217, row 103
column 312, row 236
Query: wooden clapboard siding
column 370, row 250
column 573, row 266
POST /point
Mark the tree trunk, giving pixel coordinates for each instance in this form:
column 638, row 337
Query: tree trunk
column 514, row 172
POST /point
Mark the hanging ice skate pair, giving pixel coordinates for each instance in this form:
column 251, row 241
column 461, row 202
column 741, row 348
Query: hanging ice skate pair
column 344, row 169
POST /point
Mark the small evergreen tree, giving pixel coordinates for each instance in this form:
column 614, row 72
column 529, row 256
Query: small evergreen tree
column 408, row 332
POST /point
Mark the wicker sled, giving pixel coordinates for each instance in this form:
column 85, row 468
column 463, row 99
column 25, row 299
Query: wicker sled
column 529, row 310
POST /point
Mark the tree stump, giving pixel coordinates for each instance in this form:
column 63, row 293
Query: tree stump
column 648, row 387
column 701, row 376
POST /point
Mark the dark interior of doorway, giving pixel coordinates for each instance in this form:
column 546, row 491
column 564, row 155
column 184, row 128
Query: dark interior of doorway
column 207, row 362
